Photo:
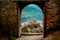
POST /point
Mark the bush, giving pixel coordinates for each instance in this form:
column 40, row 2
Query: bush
column 24, row 29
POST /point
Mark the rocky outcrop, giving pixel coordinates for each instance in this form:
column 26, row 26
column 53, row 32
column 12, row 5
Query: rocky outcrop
column 31, row 26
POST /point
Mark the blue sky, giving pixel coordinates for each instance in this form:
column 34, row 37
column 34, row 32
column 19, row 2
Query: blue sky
column 31, row 11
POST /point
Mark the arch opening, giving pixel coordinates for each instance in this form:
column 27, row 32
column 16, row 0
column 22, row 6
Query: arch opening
column 31, row 19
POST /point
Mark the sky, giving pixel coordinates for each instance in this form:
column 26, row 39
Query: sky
column 31, row 11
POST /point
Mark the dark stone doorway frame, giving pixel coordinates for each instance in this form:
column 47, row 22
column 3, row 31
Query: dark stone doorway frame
column 22, row 4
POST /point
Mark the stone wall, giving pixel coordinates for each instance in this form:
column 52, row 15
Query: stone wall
column 8, row 18
column 52, row 16
column 51, row 9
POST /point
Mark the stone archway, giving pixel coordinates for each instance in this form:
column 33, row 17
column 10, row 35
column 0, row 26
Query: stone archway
column 40, row 4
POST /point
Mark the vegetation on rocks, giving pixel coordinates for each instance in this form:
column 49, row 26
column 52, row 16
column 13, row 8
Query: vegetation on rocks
column 30, row 26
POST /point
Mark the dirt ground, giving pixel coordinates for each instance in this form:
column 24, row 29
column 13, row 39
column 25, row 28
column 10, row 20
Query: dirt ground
column 51, row 36
column 31, row 37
